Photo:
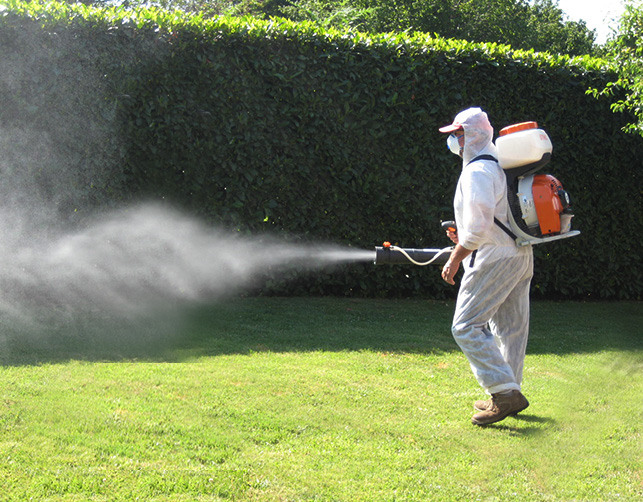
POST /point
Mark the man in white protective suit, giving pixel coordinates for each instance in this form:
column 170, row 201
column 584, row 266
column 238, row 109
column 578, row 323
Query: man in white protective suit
column 491, row 320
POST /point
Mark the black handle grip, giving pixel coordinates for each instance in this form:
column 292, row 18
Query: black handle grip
column 449, row 226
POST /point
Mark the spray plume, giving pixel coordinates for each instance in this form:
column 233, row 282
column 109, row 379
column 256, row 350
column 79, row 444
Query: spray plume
column 135, row 270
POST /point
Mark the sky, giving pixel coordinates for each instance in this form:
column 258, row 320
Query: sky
column 599, row 15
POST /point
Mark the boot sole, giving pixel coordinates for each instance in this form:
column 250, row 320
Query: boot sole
column 512, row 414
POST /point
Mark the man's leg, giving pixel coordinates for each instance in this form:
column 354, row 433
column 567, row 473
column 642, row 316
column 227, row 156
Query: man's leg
column 510, row 323
column 482, row 292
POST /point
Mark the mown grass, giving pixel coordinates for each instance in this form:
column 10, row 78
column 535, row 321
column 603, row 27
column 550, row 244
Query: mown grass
column 311, row 399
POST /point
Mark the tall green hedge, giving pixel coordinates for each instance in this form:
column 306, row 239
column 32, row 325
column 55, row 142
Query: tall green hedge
column 314, row 135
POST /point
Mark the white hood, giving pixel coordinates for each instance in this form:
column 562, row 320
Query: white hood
column 478, row 134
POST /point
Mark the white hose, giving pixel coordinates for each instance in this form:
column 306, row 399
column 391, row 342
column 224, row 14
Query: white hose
column 406, row 255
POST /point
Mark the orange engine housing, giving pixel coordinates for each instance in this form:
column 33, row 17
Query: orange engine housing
column 545, row 191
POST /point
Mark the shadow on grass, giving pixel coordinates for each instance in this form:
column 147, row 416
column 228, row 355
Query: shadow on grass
column 90, row 339
column 526, row 425
column 242, row 326
column 247, row 325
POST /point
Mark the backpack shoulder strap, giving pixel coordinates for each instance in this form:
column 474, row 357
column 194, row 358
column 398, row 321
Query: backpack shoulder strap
column 483, row 157
column 506, row 229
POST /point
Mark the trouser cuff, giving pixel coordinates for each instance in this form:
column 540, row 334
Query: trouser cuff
column 503, row 388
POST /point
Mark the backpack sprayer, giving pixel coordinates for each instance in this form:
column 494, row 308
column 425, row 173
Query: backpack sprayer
column 540, row 210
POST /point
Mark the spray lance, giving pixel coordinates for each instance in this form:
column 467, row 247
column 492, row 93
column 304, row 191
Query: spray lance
column 393, row 255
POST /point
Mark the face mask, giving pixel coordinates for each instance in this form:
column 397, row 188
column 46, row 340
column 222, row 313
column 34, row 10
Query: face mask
column 454, row 145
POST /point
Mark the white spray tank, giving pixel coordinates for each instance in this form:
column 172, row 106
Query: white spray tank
column 540, row 209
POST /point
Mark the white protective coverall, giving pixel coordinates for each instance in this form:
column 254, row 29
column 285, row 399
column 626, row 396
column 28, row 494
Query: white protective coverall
column 491, row 320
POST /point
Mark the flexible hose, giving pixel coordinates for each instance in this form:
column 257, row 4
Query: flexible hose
column 422, row 264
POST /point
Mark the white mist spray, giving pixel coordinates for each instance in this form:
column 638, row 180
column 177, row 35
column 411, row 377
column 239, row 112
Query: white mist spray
column 138, row 266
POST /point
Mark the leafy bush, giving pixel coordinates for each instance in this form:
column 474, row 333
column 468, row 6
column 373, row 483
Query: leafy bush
column 523, row 24
column 626, row 53
column 312, row 133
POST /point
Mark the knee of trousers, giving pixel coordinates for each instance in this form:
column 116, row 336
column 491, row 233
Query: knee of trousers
column 461, row 332
column 470, row 333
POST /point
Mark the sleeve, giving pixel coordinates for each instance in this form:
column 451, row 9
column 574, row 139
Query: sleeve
column 478, row 207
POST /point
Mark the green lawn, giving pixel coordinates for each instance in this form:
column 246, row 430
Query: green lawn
column 321, row 399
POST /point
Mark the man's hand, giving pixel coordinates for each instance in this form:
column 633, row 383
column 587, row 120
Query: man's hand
column 450, row 228
column 452, row 266
column 449, row 270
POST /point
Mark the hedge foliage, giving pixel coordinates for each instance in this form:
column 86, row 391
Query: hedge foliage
column 312, row 134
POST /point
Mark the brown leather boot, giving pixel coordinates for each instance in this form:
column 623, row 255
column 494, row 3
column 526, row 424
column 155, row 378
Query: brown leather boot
column 483, row 405
column 501, row 406
column 487, row 405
